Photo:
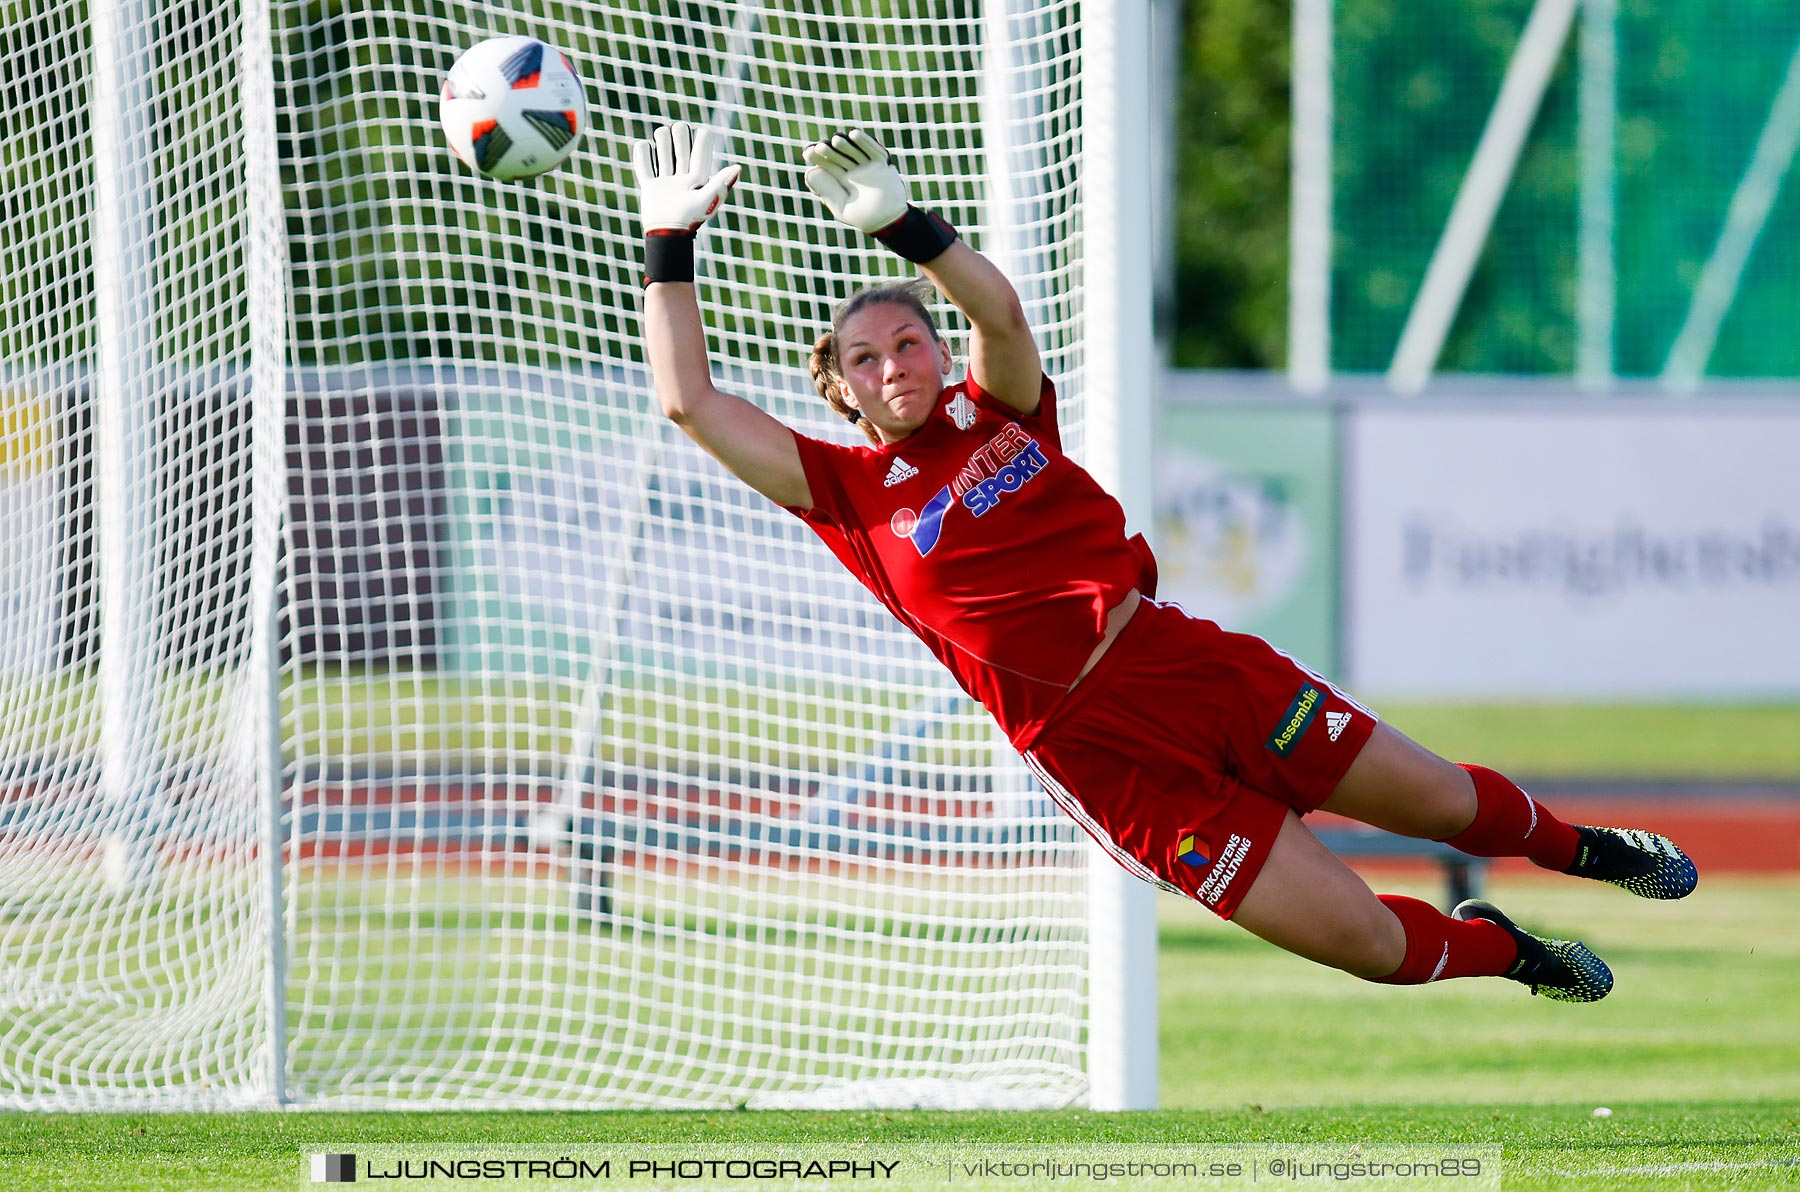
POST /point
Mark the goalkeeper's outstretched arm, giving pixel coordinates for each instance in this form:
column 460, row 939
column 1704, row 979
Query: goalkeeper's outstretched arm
column 678, row 190
column 856, row 178
column 1003, row 354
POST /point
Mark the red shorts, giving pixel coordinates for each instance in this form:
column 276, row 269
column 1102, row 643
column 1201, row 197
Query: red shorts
column 1183, row 749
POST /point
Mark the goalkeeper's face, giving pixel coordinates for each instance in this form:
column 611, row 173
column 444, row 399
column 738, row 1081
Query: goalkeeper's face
column 894, row 367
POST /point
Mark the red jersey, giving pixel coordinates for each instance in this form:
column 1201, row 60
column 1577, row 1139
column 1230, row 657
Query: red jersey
column 1001, row 553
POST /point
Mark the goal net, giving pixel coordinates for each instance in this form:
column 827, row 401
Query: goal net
column 394, row 708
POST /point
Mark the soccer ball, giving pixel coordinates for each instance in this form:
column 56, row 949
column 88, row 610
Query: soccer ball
column 513, row 107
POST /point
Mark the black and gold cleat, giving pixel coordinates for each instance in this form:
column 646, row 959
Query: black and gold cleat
column 1562, row 970
column 1648, row 865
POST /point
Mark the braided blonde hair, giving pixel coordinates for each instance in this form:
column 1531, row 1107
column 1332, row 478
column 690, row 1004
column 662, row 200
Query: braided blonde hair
column 824, row 367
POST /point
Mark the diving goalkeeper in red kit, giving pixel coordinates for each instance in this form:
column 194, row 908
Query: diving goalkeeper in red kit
column 1189, row 753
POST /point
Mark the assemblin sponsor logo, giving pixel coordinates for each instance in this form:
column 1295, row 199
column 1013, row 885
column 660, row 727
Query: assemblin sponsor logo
column 1299, row 716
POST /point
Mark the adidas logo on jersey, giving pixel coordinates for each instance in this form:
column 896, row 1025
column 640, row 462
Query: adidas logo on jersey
column 900, row 471
column 1335, row 723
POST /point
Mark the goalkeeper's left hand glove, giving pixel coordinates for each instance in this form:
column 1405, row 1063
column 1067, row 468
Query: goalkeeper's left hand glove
column 678, row 190
column 855, row 177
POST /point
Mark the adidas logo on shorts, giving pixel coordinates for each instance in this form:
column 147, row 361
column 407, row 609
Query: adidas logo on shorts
column 1335, row 723
column 900, row 471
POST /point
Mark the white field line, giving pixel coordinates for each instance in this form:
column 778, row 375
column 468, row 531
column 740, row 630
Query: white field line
column 1678, row 1168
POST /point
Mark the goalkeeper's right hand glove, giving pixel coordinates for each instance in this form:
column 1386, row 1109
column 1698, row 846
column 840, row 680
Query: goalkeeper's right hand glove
column 678, row 190
column 855, row 177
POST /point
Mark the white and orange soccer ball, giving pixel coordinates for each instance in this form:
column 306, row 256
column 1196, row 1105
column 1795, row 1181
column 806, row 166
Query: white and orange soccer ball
column 513, row 108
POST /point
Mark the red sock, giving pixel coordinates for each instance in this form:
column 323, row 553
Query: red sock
column 1510, row 823
column 1439, row 947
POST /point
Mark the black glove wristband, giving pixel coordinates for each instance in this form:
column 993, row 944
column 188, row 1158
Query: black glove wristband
column 668, row 255
column 919, row 236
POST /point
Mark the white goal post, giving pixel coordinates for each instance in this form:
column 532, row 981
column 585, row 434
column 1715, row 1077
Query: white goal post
column 395, row 710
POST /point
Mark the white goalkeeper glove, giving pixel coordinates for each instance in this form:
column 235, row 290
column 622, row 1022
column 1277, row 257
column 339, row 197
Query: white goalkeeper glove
column 855, row 177
column 678, row 190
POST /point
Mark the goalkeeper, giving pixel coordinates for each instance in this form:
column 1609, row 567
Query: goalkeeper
column 1188, row 752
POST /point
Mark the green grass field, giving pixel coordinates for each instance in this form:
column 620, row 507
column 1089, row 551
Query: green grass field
column 1715, row 740
column 1697, row 1052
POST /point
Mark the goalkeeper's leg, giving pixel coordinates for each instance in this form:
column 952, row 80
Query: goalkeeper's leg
column 1306, row 900
column 1400, row 786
